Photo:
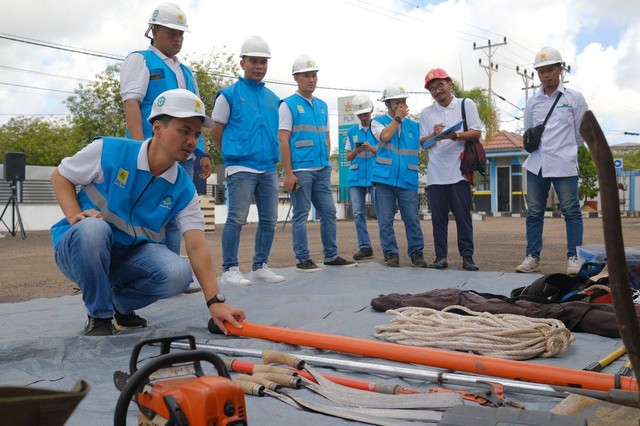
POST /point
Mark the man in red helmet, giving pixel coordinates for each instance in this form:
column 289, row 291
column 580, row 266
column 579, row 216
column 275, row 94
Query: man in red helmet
column 448, row 188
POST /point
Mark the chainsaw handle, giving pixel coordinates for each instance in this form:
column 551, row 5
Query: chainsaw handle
column 164, row 361
column 165, row 347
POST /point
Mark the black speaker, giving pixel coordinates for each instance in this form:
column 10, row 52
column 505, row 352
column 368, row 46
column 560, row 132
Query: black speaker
column 14, row 166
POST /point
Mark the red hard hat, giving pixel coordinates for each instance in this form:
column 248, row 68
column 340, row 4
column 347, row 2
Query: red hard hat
column 435, row 74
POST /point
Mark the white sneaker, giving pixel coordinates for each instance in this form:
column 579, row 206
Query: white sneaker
column 266, row 274
column 234, row 277
column 573, row 265
column 529, row 264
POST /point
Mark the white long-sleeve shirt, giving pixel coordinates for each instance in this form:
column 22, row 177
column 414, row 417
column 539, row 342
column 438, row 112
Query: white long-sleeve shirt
column 558, row 152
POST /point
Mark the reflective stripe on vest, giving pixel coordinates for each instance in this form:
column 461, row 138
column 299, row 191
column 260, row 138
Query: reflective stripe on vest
column 134, row 231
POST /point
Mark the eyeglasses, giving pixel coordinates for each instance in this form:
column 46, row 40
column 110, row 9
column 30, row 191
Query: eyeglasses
column 437, row 87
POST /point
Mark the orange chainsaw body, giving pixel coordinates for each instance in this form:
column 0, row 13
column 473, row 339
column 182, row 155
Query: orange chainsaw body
column 205, row 401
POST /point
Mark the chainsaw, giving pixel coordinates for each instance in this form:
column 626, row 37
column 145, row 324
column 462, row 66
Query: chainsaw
column 173, row 390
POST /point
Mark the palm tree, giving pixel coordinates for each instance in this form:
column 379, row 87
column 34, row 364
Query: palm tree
column 487, row 111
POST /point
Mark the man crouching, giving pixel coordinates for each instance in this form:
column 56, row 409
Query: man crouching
column 112, row 240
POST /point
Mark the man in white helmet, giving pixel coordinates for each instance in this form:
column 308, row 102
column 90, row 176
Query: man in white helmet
column 361, row 152
column 246, row 133
column 555, row 162
column 147, row 73
column 112, row 239
column 305, row 146
column 395, row 175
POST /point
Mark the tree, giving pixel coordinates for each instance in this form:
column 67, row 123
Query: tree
column 96, row 110
column 587, row 175
column 631, row 160
column 44, row 142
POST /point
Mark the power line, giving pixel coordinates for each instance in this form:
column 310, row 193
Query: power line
column 505, row 100
column 60, row 47
column 35, row 87
column 43, row 73
column 34, row 114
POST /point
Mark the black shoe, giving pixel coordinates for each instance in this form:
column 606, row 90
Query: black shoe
column 307, row 266
column 439, row 263
column 128, row 321
column 98, row 326
column 339, row 261
column 468, row 264
column 392, row 260
column 363, row 253
column 417, row 259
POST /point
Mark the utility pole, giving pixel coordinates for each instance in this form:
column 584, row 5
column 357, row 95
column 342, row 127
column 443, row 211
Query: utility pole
column 526, row 78
column 490, row 50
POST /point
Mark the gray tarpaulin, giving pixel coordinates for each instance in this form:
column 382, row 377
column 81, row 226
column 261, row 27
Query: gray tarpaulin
column 41, row 343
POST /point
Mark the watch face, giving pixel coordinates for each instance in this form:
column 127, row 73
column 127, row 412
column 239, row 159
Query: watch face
column 220, row 297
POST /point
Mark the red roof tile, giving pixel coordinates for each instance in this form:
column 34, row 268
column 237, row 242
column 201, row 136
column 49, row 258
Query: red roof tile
column 504, row 141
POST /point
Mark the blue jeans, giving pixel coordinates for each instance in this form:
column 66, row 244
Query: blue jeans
column 457, row 198
column 171, row 232
column 124, row 278
column 242, row 187
column 315, row 187
column 358, row 195
column 537, row 193
column 387, row 197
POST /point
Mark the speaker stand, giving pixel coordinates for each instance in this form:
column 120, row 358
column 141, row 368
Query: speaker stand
column 15, row 212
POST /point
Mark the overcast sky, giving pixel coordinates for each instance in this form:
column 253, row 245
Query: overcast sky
column 360, row 45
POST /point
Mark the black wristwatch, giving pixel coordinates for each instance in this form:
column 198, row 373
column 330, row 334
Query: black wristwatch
column 398, row 119
column 218, row 298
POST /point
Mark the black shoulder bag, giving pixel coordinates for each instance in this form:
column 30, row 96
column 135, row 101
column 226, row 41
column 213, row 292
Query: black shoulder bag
column 533, row 135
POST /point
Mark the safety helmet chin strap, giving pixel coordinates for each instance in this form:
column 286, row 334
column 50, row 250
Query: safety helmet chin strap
column 146, row 34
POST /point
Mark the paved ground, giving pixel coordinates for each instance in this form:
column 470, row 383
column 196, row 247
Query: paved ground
column 28, row 271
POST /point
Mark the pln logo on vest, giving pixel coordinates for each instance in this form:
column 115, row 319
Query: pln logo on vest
column 300, row 109
column 167, row 202
column 121, row 179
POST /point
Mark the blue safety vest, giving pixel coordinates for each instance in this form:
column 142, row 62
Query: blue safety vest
column 308, row 141
column 250, row 137
column 398, row 160
column 361, row 167
column 161, row 79
column 136, row 204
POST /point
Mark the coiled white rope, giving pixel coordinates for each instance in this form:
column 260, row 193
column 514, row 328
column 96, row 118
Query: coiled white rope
column 505, row 336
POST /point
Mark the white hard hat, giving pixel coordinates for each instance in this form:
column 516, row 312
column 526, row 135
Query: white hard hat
column 547, row 56
column 255, row 46
column 304, row 63
column 361, row 104
column 179, row 103
column 168, row 15
column 394, row 91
